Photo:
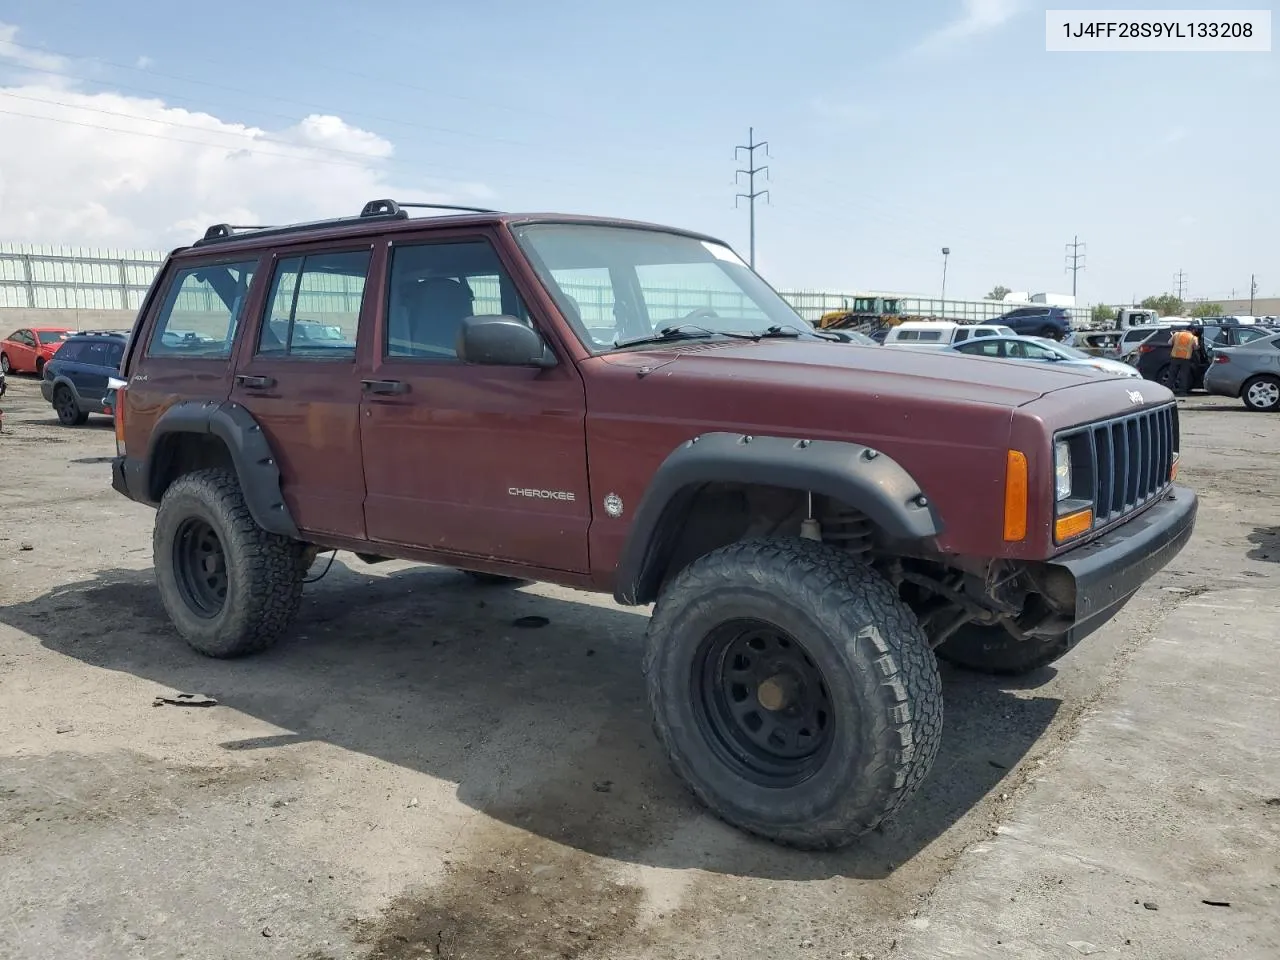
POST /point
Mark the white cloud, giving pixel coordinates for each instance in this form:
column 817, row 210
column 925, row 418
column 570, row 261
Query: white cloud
column 143, row 62
column 108, row 169
column 20, row 55
column 977, row 17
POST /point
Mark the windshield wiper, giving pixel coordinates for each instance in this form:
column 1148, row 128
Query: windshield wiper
column 793, row 332
column 685, row 331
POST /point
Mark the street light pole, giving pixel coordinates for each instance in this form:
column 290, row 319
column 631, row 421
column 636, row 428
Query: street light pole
column 946, row 252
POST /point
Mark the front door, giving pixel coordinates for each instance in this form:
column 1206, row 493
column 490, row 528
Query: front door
column 472, row 460
column 297, row 374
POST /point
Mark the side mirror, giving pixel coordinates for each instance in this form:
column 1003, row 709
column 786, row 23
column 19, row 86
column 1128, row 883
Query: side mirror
column 502, row 341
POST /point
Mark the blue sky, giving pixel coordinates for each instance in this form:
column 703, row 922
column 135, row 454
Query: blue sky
column 894, row 129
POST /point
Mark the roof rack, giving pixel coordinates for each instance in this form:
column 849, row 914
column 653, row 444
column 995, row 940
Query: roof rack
column 374, row 210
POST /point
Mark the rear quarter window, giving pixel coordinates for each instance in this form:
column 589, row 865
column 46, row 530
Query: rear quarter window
column 202, row 311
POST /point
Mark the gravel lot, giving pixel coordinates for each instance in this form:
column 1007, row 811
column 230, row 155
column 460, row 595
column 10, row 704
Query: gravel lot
column 412, row 775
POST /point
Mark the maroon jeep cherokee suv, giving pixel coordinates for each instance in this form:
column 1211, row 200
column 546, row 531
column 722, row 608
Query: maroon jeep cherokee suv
column 630, row 409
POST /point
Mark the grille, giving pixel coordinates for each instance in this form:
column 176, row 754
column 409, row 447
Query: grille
column 1132, row 458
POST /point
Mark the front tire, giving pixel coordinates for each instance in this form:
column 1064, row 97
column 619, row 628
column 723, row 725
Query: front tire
column 230, row 587
column 792, row 691
column 68, row 409
column 1261, row 394
column 5, row 366
column 993, row 650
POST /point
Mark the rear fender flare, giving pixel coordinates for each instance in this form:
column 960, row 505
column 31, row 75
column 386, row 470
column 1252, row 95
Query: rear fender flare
column 251, row 453
column 858, row 476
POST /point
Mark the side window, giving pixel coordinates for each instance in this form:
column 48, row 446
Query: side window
column 434, row 287
column 1036, row 352
column 931, row 335
column 1247, row 335
column 983, row 333
column 25, row 337
column 115, row 353
column 73, row 352
column 963, row 335
column 201, row 311
column 1016, row 349
column 313, row 309
column 908, row 335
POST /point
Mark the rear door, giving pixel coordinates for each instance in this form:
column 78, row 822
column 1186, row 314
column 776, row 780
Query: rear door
column 472, row 460
column 187, row 339
column 297, row 374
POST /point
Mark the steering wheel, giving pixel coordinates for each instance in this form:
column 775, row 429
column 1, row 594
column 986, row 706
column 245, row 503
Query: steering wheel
column 702, row 313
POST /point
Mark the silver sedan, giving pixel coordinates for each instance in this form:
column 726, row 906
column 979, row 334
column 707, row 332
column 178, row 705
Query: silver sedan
column 1250, row 372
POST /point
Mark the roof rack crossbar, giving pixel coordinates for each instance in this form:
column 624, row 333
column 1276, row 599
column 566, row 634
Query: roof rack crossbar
column 373, row 211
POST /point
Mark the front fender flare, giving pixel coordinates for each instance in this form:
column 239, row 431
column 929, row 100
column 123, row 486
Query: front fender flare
column 858, row 476
column 255, row 463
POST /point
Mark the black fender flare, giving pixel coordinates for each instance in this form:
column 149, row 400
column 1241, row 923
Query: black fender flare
column 856, row 475
column 255, row 463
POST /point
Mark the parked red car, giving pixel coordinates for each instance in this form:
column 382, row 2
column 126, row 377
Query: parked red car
column 27, row 350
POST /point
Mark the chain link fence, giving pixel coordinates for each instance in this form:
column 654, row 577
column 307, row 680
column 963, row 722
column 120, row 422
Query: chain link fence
column 84, row 278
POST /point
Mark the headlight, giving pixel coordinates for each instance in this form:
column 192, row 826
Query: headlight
column 1062, row 470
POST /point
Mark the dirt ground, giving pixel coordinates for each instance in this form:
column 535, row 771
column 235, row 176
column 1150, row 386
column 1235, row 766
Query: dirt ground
column 411, row 774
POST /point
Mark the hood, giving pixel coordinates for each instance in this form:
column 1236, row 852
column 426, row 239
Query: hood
column 881, row 372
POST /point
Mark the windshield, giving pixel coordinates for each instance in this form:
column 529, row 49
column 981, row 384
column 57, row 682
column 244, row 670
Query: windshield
column 51, row 336
column 1070, row 352
column 619, row 284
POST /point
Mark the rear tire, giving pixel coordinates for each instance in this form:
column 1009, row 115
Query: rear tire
column 1164, row 376
column 792, row 691
column 230, row 587
column 1261, row 394
column 68, row 408
column 39, row 366
column 993, row 650
column 1051, row 333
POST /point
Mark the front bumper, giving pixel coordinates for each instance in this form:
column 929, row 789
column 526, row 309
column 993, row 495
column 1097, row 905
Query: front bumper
column 46, row 390
column 1108, row 571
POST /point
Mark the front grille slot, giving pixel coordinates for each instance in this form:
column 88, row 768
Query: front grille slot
column 1132, row 459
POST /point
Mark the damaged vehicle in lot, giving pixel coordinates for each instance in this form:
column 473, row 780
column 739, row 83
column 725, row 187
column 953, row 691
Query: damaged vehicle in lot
column 630, row 409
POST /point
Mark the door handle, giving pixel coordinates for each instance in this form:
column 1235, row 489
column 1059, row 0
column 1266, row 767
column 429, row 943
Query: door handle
column 384, row 386
column 258, row 382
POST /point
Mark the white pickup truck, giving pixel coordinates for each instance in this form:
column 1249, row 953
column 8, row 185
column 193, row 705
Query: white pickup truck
column 941, row 333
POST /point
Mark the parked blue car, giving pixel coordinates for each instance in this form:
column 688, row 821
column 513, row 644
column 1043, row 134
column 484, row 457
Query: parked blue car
column 1053, row 323
column 75, row 379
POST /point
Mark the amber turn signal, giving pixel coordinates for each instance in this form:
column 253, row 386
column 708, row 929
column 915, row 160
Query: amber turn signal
column 1073, row 524
column 1015, row 496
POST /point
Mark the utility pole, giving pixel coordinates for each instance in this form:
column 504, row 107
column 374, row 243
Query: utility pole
column 1253, row 289
column 750, row 172
column 1180, row 283
column 1075, row 261
column 946, row 252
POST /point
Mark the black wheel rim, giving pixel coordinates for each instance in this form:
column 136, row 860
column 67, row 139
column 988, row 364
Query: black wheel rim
column 201, row 567
column 762, row 703
column 65, row 406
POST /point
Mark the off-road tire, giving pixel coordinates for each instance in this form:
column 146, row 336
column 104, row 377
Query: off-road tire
column 68, row 411
column 264, row 571
column 493, row 579
column 5, row 365
column 993, row 650
column 876, row 670
column 1253, row 404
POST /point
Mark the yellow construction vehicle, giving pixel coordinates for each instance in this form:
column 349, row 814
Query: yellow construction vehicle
column 867, row 313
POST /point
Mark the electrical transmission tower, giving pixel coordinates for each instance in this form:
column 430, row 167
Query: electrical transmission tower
column 750, row 173
column 1180, row 284
column 1075, row 261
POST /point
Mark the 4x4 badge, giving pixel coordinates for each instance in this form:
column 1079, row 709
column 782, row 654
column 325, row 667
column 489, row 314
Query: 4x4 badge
column 613, row 505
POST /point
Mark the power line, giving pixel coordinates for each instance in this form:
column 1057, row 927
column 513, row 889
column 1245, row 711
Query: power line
column 1180, row 284
column 1075, row 261
column 751, row 171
